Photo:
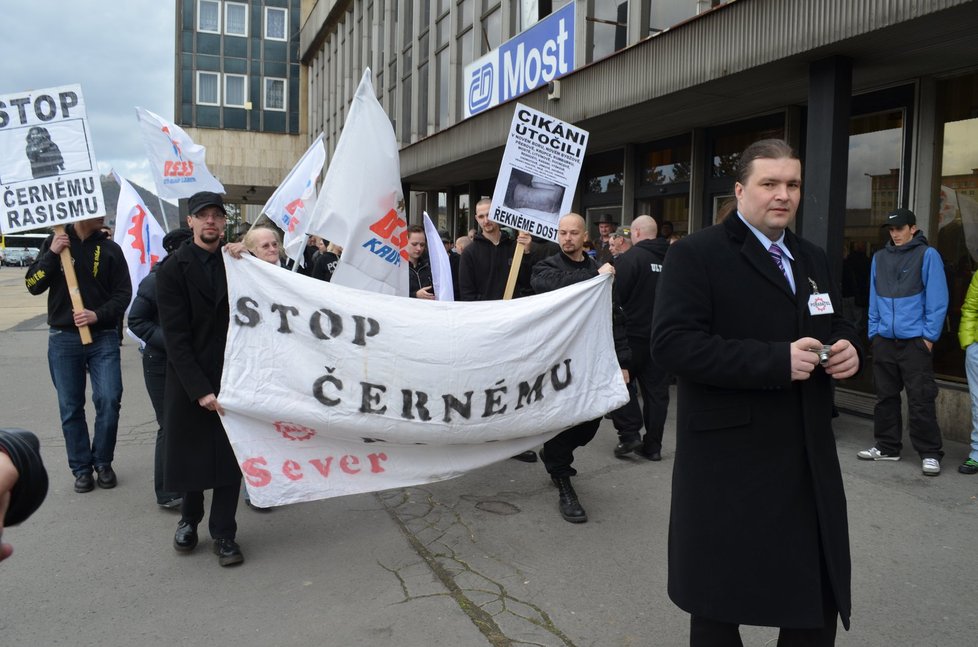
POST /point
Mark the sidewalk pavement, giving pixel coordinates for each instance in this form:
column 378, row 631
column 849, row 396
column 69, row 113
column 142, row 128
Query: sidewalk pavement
column 484, row 559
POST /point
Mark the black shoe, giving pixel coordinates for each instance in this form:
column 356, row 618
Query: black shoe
column 228, row 552
column 256, row 508
column 172, row 504
column 106, row 477
column 526, row 457
column 570, row 507
column 185, row 539
column 626, row 447
column 651, row 455
column 84, row 482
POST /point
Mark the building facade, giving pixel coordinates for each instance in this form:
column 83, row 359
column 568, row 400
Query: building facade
column 880, row 97
column 240, row 91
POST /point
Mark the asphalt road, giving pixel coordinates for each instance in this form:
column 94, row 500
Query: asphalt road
column 480, row 560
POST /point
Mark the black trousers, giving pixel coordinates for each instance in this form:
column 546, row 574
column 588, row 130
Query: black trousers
column 704, row 632
column 899, row 364
column 224, row 504
column 653, row 384
column 558, row 452
column 154, row 374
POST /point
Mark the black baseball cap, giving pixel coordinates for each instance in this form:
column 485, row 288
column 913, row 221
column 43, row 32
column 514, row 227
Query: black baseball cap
column 899, row 218
column 206, row 199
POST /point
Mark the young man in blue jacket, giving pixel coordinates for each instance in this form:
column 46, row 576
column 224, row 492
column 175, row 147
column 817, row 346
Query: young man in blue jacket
column 907, row 304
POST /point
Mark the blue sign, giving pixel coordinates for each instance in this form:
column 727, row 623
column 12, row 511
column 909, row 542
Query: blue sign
column 527, row 61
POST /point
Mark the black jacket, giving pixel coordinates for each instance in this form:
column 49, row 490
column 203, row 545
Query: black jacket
column 420, row 276
column 103, row 280
column 559, row 271
column 323, row 265
column 484, row 269
column 144, row 317
column 637, row 272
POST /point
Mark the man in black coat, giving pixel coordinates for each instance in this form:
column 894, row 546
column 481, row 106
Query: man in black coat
column 572, row 266
column 485, row 264
column 192, row 298
column 758, row 532
column 637, row 273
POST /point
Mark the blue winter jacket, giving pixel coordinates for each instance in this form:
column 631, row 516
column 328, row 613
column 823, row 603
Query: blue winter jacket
column 907, row 291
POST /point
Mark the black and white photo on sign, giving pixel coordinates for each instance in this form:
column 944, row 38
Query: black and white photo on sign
column 34, row 151
column 527, row 193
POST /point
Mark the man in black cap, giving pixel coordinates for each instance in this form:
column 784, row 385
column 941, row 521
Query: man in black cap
column 606, row 226
column 192, row 297
column 907, row 304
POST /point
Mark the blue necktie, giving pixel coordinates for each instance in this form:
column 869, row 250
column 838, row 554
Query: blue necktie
column 776, row 253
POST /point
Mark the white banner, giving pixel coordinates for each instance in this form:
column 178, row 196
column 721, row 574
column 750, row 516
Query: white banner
column 176, row 162
column 331, row 391
column 361, row 205
column 48, row 172
column 539, row 172
column 441, row 267
column 137, row 232
column 295, row 198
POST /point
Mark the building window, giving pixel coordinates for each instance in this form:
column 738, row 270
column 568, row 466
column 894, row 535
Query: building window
column 235, row 19
column 207, row 89
column 275, row 21
column 235, row 90
column 274, row 98
column 209, row 16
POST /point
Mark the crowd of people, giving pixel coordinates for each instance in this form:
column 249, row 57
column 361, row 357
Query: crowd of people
column 756, row 469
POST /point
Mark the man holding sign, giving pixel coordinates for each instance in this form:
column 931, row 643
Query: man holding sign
column 103, row 280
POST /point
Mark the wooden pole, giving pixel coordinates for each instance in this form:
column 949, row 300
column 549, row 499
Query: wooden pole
column 514, row 271
column 68, row 265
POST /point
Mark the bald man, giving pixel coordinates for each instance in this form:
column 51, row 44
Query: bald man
column 636, row 275
column 571, row 266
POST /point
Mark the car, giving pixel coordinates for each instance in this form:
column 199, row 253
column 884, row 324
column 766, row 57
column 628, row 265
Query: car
column 17, row 257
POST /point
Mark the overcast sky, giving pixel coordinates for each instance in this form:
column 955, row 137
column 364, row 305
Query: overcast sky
column 120, row 51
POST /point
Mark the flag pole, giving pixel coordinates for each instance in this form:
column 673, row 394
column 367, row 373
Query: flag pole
column 166, row 225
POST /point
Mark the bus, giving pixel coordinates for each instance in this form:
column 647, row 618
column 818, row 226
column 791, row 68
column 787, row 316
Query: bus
column 20, row 250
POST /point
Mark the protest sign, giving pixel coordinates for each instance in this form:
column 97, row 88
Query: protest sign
column 539, row 172
column 361, row 204
column 330, row 391
column 48, row 172
column 176, row 162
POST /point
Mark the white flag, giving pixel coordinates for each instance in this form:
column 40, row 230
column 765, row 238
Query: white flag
column 949, row 207
column 344, row 405
column 137, row 232
column 176, row 162
column 441, row 268
column 293, row 201
column 361, row 206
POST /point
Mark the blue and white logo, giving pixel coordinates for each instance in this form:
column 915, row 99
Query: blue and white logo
column 525, row 62
column 481, row 88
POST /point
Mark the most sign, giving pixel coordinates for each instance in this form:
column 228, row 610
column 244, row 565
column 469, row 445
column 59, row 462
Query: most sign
column 534, row 58
column 48, row 172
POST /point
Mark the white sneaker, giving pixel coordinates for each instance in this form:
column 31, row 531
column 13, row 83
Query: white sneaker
column 931, row 467
column 874, row 454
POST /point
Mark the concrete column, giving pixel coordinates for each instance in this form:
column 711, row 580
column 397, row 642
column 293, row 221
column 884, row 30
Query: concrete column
column 629, row 180
column 827, row 157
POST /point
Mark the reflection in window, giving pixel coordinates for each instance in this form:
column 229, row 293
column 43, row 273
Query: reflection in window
column 274, row 94
column 492, row 30
column 874, row 185
column 609, row 23
column 954, row 230
column 668, row 13
column 275, row 20
column 207, row 88
column 235, row 90
column 604, row 183
column 441, row 91
column 666, row 166
column 235, row 19
column 209, row 16
column 727, row 148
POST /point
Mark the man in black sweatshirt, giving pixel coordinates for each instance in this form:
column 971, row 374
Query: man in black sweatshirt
column 103, row 280
column 637, row 272
column 572, row 266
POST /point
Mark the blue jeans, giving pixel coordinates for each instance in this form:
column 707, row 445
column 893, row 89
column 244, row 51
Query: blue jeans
column 971, row 368
column 69, row 360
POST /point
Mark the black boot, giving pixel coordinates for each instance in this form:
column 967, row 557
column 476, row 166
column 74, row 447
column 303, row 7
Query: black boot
column 570, row 507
